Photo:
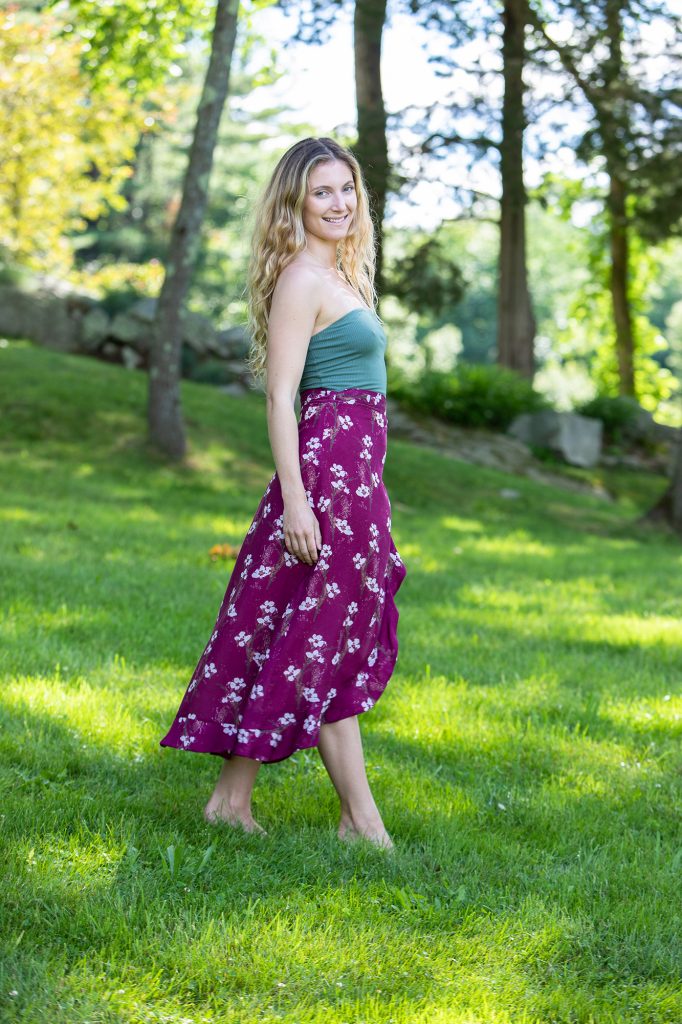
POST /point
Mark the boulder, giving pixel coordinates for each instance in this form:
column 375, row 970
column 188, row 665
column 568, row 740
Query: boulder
column 50, row 320
column 577, row 439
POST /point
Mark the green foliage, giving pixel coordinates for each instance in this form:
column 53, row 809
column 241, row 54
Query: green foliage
column 427, row 277
column 470, row 395
column 618, row 413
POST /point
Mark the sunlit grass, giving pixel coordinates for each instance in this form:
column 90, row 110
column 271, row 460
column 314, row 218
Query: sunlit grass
column 526, row 753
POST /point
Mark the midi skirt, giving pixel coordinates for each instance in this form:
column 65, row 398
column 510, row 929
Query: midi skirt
column 297, row 645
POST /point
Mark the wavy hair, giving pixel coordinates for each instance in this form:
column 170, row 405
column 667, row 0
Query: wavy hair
column 278, row 236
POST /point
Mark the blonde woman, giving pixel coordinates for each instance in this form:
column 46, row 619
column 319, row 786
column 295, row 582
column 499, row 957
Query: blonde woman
column 306, row 636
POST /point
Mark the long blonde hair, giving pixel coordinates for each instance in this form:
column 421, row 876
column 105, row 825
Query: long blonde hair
column 278, row 236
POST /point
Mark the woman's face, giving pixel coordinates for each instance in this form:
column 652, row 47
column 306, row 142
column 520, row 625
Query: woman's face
column 330, row 201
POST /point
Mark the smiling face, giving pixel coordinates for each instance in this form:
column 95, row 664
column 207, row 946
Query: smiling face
column 330, row 201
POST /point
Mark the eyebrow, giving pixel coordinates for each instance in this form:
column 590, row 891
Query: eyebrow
column 349, row 182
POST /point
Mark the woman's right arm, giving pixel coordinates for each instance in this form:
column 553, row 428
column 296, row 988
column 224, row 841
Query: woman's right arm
column 295, row 305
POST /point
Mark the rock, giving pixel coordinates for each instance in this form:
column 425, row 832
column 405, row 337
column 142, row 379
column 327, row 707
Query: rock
column 50, row 320
column 128, row 328
column 95, row 327
column 231, row 343
column 131, row 359
column 577, row 439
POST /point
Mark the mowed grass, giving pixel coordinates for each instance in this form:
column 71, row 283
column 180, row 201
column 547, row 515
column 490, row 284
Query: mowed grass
column 525, row 755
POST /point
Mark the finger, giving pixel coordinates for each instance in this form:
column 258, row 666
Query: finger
column 318, row 534
column 306, row 549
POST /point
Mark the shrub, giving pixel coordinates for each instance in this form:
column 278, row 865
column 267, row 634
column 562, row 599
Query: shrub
column 619, row 414
column 471, row 395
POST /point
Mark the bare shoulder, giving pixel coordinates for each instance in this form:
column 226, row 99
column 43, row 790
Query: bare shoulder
column 299, row 283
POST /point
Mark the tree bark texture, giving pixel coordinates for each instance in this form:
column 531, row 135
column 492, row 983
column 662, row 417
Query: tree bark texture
column 166, row 427
column 516, row 322
column 371, row 148
column 619, row 285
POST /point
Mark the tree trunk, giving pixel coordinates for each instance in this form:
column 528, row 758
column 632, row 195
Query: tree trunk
column 516, row 322
column 669, row 507
column 166, row 428
column 371, row 148
column 619, row 286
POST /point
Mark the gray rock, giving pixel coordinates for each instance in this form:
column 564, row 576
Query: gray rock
column 95, row 327
column 577, row 439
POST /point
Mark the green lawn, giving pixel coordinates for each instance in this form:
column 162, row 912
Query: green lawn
column 525, row 755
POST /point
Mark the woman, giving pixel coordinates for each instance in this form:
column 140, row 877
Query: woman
column 306, row 636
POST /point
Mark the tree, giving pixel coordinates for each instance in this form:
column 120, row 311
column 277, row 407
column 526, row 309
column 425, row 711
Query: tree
column 166, row 428
column 66, row 147
column 634, row 134
column 500, row 132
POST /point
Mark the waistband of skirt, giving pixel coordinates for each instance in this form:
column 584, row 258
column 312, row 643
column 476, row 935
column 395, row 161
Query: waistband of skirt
column 351, row 396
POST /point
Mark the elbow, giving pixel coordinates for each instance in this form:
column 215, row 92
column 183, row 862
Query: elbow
column 278, row 398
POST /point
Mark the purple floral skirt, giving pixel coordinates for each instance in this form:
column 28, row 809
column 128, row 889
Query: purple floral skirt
column 297, row 645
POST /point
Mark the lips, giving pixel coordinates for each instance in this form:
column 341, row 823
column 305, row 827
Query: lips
column 335, row 220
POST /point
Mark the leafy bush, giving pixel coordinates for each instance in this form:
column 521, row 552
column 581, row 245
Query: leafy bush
column 619, row 414
column 471, row 395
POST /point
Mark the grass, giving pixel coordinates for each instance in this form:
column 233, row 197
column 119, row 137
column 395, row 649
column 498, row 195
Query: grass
column 525, row 755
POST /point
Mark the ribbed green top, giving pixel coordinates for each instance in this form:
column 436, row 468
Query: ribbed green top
column 347, row 354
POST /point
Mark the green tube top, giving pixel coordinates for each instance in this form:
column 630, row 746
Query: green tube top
column 347, row 354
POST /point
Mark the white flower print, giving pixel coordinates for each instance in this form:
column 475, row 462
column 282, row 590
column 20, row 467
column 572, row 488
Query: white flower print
column 327, row 432
column 266, row 509
column 338, row 471
column 316, row 640
column 253, row 526
column 388, row 523
column 343, row 527
column 261, row 571
column 287, row 719
column 232, row 698
column 373, row 656
column 367, row 441
column 243, row 736
column 229, row 729
column 374, row 529
column 310, row 694
column 307, row 604
column 290, row 559
column 332, row 589
column 353, row 643
column 257, row 691
column 379, row 418
column 232, row 611
column 237, row 683
column 366, row 454
column 310, row 723
column 362, row 491
column 367, row 704
column 323, row 504
column 358, row 560
column 209, row 670
column 336, row 659
column 328, row 699
column 374, row 545
column 275, row 739
column 352, row 608
column 345, row 422
column 361, row 678
column 242, row 638
column 291, row 673
column 186, row 740
column 268, row 607
column 315, row 656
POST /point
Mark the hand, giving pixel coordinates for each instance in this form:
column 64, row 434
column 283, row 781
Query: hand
column 302, row 535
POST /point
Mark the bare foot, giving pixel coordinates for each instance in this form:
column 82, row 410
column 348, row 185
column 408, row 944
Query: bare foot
column 376, row 834
column 217, row 812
